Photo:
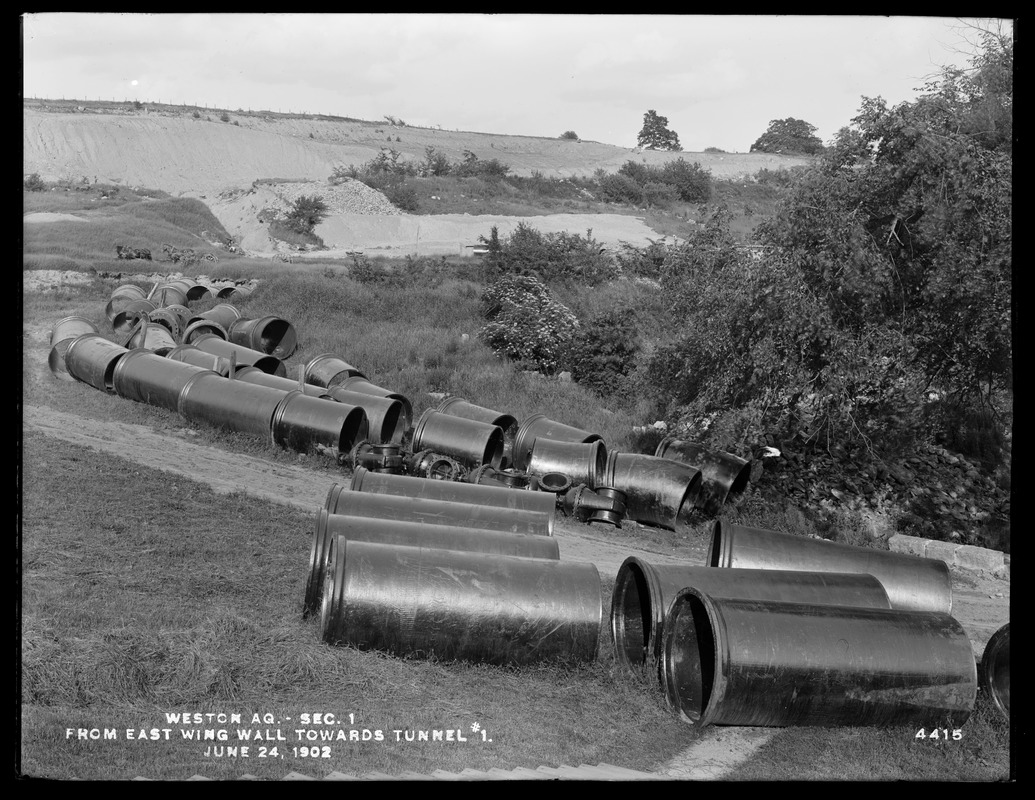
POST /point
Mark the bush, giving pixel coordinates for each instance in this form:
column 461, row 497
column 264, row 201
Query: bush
column 620, row 188
column 307, row 212
column 692, row 183
column 552, row 257
column 659, row 195
column 224, row 117
column 604, row 350
column 196, row 114
column 526, row 324
column 569, row 135
column 714, row 150
column 34, row 183
column 474, row 167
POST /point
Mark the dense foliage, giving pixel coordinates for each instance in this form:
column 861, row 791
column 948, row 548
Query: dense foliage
column 307, row 212
column 789, row 137
column 526, row 324
column 655, row 133
column 880, row 314
column 561, row 258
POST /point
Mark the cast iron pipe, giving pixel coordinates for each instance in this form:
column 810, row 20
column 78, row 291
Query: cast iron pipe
column 168, row 294
column 538, row 425
column 656, row 489
column 148, row 377
column 377, row 457
column 459, row 407
column 730, row 661
column 387, row 416
column 455, row 605
column 245, row 355
column 582, row 462
column 233, row 293
column 91, row 358
column 470, row 442
column 328, row 370
column 438, row 512
column 169, row 320
column 358, row 383
column 251, row 374
column 994, row 669
column 224, row 315
column 201, row 327
column 588, row 505
column 413, row 534
column 190, row 354
column 436, row 466
column 314, row 424
column 192, row 289
column 408, row 486
column 233, row 405
column 912, row 582
column 120, row 297
column 722, row 474
column 152, row 336
column 643, row 595
column 488, row 475
column 129, row 314
column 271, row 335
column 61, row 336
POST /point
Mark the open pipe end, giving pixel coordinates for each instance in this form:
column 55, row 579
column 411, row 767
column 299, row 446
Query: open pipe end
column 689, row 657
column 632, row 626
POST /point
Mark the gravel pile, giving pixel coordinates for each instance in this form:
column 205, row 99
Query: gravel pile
column 350, row 197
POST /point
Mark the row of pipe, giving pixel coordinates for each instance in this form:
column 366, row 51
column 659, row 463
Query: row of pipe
column 797, row 632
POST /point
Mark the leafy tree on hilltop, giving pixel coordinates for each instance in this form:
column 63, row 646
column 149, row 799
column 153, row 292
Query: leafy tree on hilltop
column 789, row 137
column 655, row 134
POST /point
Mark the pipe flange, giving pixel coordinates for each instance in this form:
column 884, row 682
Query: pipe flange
column 614, row 513
column 484, row 471
column 556, row 482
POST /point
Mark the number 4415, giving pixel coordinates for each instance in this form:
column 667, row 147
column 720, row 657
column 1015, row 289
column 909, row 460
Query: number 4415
column 940, row 733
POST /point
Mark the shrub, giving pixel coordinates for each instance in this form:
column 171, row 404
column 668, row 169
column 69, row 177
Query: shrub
column 604, row 350
column 435, row 163
column 552, row 257
column 619, row 188
column 659, row 195
column 526, row 324
column 474, row 167
column 569, row 135
column 224, row 117
column 307, row 212
column 692, row 183
column 196, row 114
column 34, row 183
column 714, row 150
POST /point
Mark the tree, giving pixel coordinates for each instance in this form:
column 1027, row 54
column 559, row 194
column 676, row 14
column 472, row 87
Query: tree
column 570, row 135
column 306, row 213
column 789, row 137
column 655, row 134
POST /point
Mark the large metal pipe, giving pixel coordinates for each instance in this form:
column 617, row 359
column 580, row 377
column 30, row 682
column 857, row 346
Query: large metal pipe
column 912, row 582
column 722, row 474
column 387, row 416
column 408, row 486
column 656, row 489
column 200, row 327
column 169, row 294
column 314, row 424
column 470, row 442
column 120, row 297
column 91, row 358
column 224, row 315
column 61, row 336
column 994, row 669
column 643, row 594
column 271, row 335
column 455, row 605
column 245, row 355
column 251, row 374
column 129, row 314
column 438, row 512
column 148, row 377
column 329, row 370
column 192, row 289
column 189, row 354
column 582, row 462
column 233, row 405
column 169, row 320
column 459, row 407
column 730, row 661
column 358, row 383
column 413, row 534
column 152, row 336
column 538, row 425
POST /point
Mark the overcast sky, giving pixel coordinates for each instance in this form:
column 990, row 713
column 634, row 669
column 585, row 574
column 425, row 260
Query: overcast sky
column 719, row 80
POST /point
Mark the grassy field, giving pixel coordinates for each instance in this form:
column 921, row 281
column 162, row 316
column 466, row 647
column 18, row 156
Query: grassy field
column 143, row 596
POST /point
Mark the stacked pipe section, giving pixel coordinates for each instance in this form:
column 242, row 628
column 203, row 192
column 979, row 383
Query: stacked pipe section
column 785, row 630
column 424, row 568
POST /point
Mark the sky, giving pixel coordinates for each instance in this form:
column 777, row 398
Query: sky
column 719, row 80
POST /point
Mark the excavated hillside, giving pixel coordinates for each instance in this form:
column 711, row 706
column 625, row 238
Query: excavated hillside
column 257, row 160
